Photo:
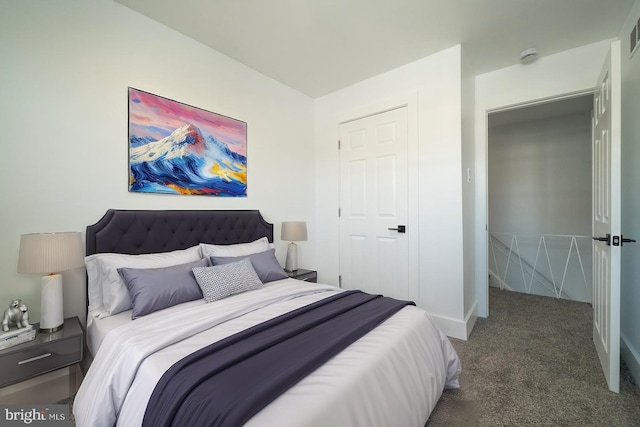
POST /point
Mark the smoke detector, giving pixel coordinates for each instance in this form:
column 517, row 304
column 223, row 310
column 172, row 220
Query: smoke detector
column 528, row 55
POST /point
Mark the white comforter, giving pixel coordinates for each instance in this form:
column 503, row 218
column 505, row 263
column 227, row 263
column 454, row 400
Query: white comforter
column 392, row 376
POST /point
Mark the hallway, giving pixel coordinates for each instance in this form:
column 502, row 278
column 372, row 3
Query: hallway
column 532, row 362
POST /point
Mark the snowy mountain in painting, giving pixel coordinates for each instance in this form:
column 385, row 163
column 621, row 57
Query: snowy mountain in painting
column 188, row 162
column 137, row 141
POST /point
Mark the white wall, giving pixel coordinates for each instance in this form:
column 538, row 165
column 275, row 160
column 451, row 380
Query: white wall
column 65, row 69
column 539, row 179
column 540, row 176
column 571, row 71
column 630, row 272
column 435, row 124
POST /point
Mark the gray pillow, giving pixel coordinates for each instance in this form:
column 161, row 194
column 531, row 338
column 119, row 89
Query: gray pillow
column 221, row 281
column 264, row 263
column 152, row 289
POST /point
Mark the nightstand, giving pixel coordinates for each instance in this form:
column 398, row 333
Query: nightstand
column 306, row 275
column 46, row 353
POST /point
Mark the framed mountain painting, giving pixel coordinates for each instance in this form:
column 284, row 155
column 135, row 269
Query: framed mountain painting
column 179, row 149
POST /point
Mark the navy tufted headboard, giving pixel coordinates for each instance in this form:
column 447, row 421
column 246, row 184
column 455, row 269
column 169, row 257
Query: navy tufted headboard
column 144, row 231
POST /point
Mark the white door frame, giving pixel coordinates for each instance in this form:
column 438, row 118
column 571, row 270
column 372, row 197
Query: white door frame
column 411, row 102
column 482, row 190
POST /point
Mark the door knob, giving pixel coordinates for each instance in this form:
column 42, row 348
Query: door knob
column 623, row 240
column 604, row 239
column 617, row 240
column 400, row 229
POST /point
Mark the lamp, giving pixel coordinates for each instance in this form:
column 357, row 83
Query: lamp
column 294, row 231
column 50, row 253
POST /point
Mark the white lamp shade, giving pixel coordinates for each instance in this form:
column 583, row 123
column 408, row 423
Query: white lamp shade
column 50, row 252
column 294, row 231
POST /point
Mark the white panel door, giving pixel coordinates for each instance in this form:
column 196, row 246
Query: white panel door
column 373, row 203
column 606, row 217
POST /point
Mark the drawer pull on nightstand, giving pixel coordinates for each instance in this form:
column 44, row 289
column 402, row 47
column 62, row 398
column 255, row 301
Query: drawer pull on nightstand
column 33, row 359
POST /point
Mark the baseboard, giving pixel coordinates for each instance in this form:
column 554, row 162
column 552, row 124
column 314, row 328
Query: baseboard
column 454, row 328
column 631, row 357
column 470, row 319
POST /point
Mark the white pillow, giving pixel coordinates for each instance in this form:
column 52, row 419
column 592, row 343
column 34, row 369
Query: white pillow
column 102, row 270
column 238, row 249
column 94, row 287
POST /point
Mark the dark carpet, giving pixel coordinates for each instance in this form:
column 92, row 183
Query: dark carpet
column 533, row 363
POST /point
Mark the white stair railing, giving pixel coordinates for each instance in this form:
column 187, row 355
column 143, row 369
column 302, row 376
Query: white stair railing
column 513, row 254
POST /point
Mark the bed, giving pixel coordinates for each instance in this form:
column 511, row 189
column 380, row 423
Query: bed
column 392, row 375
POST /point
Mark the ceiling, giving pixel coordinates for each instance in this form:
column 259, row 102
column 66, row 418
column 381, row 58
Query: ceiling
column 320, row 46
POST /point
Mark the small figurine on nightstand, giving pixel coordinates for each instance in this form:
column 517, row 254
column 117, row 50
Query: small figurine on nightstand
column 17, row 314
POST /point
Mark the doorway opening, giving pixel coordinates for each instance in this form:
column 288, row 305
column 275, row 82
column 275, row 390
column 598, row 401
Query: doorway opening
column 540, row 198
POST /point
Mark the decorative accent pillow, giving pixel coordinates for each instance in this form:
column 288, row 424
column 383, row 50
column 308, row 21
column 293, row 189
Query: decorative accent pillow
column 221, row 281
column 264, row 263
column 105, row 277
column 152, row 289
column 238, row 249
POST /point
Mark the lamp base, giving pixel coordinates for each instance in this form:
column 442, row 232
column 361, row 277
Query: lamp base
column 50, row 330
column 51, row 317
column 291, row 263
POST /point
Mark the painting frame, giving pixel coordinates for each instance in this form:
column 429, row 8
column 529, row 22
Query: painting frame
column 177, row 148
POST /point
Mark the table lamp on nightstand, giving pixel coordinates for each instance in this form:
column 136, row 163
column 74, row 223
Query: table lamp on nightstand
column 293, row 231
column 50, row 253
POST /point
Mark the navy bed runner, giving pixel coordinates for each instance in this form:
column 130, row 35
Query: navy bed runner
column 228, row 382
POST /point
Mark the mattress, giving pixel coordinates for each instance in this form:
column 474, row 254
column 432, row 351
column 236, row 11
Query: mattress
column 394, row 375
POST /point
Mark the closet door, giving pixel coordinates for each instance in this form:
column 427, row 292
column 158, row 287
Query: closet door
column 374, row 205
